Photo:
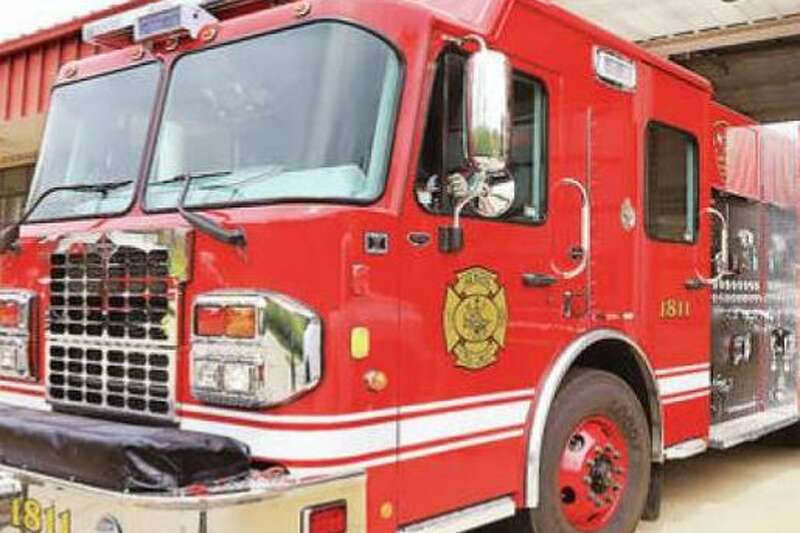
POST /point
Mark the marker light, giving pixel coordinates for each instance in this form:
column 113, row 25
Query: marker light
column 9, row 314
column 359, row 343
column 237, row 322
column 329, row 518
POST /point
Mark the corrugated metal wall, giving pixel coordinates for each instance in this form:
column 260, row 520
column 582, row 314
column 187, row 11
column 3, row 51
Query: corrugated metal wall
column 27, row 75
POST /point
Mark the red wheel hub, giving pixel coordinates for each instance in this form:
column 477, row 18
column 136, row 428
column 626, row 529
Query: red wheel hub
column 593, row 473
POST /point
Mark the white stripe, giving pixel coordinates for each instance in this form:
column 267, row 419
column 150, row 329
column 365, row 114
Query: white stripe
column 435, row 450
column 469, row 400
column 442, row 426
column 290, row 419
column 33, row 387
column 682, row 369
column 359, row 416
column 684, row 383
column 408, row 456
column 333, row 444
column 302, row 445
column 686, row 398
column 24, row 400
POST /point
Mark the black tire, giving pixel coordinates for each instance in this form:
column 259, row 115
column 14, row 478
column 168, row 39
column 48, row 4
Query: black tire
column 588, row 393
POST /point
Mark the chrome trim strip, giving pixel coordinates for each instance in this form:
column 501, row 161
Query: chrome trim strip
column 685, row 450
column 465, row 519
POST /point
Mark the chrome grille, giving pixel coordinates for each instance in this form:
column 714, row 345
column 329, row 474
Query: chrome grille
column 112, row 326
column 129, row 380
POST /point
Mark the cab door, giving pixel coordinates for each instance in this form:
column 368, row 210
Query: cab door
column 479, row 325
column 674, row 301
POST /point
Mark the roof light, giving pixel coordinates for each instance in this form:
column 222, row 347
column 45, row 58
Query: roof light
column 165, row 18
column 615, row 69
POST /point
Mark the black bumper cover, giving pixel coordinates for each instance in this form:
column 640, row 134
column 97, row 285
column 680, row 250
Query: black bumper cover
column 116, row 456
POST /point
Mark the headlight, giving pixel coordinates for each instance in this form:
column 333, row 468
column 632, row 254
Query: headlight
column 254, row 349
column 16, row 334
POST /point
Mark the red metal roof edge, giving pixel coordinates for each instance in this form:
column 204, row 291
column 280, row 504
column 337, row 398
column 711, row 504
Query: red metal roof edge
column 67, row 28
column 623, row 45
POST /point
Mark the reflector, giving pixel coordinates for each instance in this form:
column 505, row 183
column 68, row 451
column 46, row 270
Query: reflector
column 326, row 519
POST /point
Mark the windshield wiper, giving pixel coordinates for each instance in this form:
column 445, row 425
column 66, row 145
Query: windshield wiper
column 235, row 237
column 10, row 234
column 180, row 178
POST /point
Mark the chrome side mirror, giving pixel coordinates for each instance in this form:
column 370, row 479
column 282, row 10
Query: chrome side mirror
column 488, row 84
column 487, row 115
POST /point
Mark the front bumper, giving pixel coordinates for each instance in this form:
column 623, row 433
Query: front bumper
column 256, row 506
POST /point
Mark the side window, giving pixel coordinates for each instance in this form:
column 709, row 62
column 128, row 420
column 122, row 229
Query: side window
column 672, row 184
column 443, row 151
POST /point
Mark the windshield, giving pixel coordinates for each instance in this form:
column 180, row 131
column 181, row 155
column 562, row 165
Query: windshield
column 302, row 114
column 96, row 133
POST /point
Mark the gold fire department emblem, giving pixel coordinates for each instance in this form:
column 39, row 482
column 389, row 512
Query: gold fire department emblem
column 475, row 318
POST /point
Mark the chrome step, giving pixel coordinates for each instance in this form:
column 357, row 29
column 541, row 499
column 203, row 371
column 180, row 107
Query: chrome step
column 465, row 519
column 749, row 428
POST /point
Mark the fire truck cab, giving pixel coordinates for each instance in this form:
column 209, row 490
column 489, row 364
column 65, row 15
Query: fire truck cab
column 386, row 266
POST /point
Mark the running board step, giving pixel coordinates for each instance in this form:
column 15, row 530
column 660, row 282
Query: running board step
column 465, row 519
column 749, row 428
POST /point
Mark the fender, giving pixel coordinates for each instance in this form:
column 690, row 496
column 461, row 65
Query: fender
column 551, row 383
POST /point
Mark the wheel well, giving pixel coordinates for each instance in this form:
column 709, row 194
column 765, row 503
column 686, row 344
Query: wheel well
column 621, row 359
column 600, row 349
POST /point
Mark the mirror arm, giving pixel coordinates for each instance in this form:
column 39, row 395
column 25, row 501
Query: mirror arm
column 451, row 238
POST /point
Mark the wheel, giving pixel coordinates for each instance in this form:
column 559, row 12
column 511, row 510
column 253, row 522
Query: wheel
column 595, row 468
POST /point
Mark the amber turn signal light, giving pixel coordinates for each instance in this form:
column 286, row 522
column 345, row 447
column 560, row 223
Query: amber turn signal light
column 238, row 322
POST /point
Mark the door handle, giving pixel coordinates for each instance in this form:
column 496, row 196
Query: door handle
column 538, row 281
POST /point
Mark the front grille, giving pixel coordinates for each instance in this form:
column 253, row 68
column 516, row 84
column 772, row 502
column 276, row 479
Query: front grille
column 111, row 331
column 132, row 380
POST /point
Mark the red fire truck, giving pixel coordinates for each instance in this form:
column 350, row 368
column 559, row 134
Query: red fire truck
column 387, row 266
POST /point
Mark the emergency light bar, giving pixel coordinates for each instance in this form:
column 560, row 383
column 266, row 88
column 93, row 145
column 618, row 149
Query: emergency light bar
column 168, row 17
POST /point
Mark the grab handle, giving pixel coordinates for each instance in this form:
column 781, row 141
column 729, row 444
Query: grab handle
column 586, row 231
